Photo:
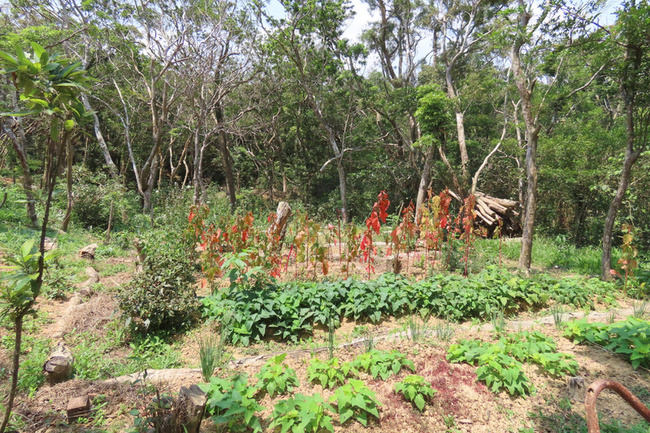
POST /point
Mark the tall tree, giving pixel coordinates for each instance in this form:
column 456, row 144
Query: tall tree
column 310, row 39
column 629, row 41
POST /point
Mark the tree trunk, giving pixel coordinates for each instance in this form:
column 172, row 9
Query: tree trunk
column 343, row 188
column 460, row 125
column 197, row 179
column 70, row 159
column 14, row 372
column 112, row 169
column 630, row 158
column 226, row 159
column 425, row 178
column 532, row 135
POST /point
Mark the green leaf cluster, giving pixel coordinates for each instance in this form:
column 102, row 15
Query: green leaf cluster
column 500, row 364
column 48, row 84
column 355, row 400
column 232, row 402
column 379, row 363
column 300, row 413
column 275, row 377
column 416, row 390
column 630, row 337
column 19, row 287
column 162, row 296
column 330, row 373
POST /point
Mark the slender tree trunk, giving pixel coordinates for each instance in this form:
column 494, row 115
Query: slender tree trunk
column 70, row 159
column 460, row 125
column 630, row 158
column 196, row 176
column 532, row 135
column 112, row 169
column 226, row 159
column 425, row 179
column 343, row 187
column 18, row 324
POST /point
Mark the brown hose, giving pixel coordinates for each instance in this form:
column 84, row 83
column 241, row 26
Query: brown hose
column 592, row 394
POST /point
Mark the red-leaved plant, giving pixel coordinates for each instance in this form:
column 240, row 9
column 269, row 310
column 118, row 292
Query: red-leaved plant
column 373, row 225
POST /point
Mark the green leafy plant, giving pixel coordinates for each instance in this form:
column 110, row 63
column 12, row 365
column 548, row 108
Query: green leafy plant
column 382, row 364
column 416, row 390
column 275, row 377
column 161, row 297
column 232, row 402
column 355, row 400
column 291, row 310
column 630, row 337
column 153, row 416
column 500, row 364
column 330, row 373
column 300, row 413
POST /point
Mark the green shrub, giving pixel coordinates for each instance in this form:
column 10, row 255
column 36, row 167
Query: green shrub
column 275, row 377
column 355, row 400
column 630, row 337
column 300, row 413
column 162, row 296
column 381, row 363
column 331, row 373
column 291, row 310
column 500, row 364
column 416, row 390
column 232, row 402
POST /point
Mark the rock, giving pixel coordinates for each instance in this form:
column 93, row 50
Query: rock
column 93, row 278
column 58, row 366
column 88, row 252
column 78, row 407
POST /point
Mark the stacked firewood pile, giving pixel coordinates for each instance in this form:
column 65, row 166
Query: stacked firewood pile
column 489, row 210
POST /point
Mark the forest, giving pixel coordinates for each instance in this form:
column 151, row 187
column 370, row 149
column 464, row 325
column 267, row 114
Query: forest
column 416, row 220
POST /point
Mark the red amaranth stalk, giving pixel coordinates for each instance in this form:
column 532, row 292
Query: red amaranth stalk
column 286, row 266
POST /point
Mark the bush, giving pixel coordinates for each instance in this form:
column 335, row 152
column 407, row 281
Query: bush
column 162, row 296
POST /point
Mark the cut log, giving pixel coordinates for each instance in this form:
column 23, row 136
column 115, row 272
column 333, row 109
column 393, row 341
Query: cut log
column 88, row 252
column 78, row 407
column 282, row 215
column 58, row 366
column 190, row 409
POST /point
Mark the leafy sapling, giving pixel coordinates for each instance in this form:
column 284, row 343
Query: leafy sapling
column 416, row 390
column 232, row 402
column 275, row 377
column 331, row 373
column 300, row 413
column 355, row 400
column 380, row 363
